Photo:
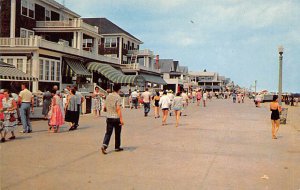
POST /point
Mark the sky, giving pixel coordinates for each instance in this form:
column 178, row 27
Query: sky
column 236, row 38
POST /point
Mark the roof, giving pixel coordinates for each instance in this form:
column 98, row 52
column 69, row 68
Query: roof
column 166, row 65
column 184, row 69
column 9, row 72
column 108, row 27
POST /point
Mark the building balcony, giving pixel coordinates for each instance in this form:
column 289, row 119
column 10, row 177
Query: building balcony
column 145, row 52
column 9, row 44
column 137, row 67
column 65, row 24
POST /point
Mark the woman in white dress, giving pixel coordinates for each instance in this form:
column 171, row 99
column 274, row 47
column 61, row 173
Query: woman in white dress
column 9, row 109
column 97, row 102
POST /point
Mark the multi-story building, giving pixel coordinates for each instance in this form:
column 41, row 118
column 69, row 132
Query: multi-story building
column 176, row 76
column 210, row 81
column 120, row 44
column 47, row 40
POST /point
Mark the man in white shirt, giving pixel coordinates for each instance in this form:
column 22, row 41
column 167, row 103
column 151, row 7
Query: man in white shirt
column 79, row 99
column 185, row 100
column 134, row 99
column 146, row 96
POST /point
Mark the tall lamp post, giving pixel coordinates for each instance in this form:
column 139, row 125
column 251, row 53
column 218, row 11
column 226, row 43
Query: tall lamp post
column 280, row 51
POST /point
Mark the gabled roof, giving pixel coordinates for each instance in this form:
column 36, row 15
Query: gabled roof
column 166, row 65
column 107, row 27
column 184, row 69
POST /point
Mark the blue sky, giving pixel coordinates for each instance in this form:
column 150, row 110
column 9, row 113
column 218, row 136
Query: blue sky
column 237, row 38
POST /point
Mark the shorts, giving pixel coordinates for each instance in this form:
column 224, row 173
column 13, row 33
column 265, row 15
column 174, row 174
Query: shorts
column 177, row 109
column 165, row 109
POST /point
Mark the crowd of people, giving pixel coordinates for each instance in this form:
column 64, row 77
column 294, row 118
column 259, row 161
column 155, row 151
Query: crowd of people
column 58, row 108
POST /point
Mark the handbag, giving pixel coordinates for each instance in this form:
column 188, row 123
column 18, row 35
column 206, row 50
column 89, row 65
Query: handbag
column 12, row 117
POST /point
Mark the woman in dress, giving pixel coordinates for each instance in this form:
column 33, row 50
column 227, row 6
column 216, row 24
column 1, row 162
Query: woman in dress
column 46, row 103
column 198, row 97
column 156, row 99
column 177, row 106
column 97, row 97
column 9, row 107
column 56, row 115
column 164, row 103
column 71, row 109
column 204, row 98
column 275, row 108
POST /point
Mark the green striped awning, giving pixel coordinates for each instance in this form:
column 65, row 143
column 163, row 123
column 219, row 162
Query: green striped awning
column 113, row 74
column 154, row 79
column 78, row 67
column 9, row 72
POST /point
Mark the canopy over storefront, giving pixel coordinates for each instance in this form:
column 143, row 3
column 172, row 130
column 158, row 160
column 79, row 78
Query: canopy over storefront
column 9, row 72
column 78, row 67
column 115, row 75
column 154, row 79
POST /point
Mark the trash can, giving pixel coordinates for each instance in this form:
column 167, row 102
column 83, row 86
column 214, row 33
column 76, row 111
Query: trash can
column 283, row 115
column 88, row 101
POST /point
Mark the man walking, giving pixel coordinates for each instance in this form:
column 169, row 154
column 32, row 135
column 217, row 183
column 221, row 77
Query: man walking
column 146, row 96
column 26, row 99
column 134, row 99
column 79, row 99
column 114, row 119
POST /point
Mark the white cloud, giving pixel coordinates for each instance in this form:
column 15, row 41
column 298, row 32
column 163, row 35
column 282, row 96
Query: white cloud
column 252, row 14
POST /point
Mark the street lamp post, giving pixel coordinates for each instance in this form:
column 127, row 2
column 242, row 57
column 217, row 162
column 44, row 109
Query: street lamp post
column 280, row 51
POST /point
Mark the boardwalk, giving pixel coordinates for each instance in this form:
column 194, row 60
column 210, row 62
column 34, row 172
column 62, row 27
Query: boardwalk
column 222, row 146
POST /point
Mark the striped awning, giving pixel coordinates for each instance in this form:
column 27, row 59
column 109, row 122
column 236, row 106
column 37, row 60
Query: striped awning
column 154, row 79
column 113, row 74
column 78, row 67
column 9, row 72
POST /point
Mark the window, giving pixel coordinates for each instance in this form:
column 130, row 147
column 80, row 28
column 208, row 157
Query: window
column 47, row 65
column 24, row 9
column 20, row 64
column 31, row 10
column 24, row 33
column 58, row 71
column 27, row 8
column 41, row 68
column 28, row 67
column 87, row 43
column 47, row 14
column 49, row 70
column 52, row 70
column 110, row 42
column 10, row 61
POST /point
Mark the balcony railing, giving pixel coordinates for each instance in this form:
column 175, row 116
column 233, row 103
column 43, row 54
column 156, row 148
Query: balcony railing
column 22, row 42
column 75, row 23
column 38, row 42
column 136, row 66
column 146, row 52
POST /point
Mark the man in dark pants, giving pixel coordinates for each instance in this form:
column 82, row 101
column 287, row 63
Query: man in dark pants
column 146, row 96
column 114, row 119
column 79, row 99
